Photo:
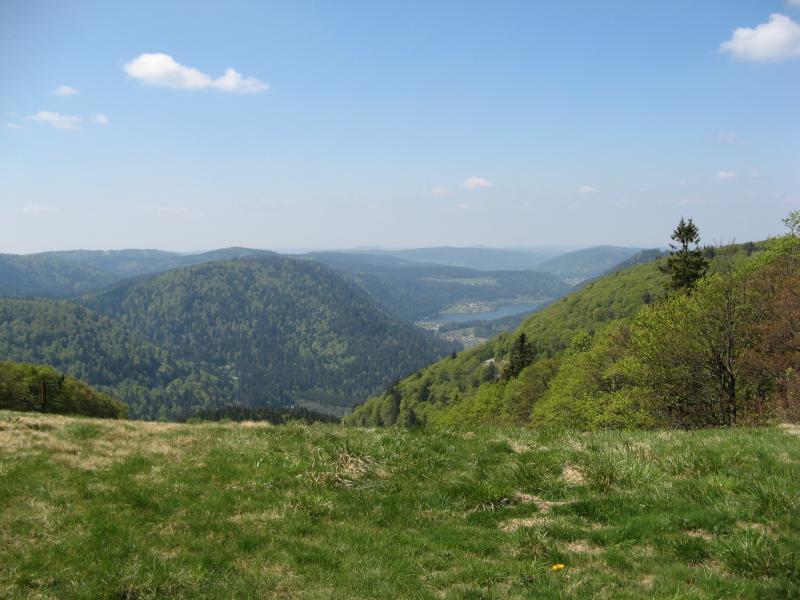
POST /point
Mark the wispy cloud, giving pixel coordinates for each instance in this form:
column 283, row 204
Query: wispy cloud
column 725, row 175
column 162, row 70
column 172, row 210
column 101, row 119
column 586, row 190
column 778, row 39
column 55, row 119
column 13, row 126
column 475, row 183
column 64, row 90
column 38, row 209
column 441, row 191
column 729, row 137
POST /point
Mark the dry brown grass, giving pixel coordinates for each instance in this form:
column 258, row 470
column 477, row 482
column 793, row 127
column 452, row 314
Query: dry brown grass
column 572, row 475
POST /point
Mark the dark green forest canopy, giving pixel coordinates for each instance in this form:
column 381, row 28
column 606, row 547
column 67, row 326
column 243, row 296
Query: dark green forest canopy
column 265, row 331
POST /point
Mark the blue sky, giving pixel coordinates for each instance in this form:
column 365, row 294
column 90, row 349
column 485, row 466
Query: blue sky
column 395, row 124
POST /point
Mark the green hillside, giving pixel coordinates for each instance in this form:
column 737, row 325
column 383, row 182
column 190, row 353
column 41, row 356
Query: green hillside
column 115, row 509
column 26, row 276
column 450, row 380
column 21, row 387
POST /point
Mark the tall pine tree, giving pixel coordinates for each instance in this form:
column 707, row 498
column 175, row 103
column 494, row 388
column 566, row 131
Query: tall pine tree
column 686, row 263
column 522, row 354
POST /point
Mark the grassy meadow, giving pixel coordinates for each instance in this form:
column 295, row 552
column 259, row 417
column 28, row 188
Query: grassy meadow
column 119, row 509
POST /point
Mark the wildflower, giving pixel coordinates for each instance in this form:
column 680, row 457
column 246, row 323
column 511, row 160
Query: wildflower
column 557, row 567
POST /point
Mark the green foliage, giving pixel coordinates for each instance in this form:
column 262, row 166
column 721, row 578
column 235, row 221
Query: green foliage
column 688, row 360
column 20, row 386
column 792, row 222
column 591, row 391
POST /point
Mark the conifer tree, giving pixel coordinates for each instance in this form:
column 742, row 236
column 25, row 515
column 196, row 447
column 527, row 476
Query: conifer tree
column 522, row 354
column 687, row 262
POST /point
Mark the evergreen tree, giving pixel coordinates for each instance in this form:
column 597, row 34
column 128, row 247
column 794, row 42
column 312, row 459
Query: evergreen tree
column 687, row 262
column 522, row 354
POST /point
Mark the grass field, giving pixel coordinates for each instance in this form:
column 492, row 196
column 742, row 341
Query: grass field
column 116, row 509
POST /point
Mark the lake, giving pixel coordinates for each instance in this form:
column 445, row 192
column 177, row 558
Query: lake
column 497, row 312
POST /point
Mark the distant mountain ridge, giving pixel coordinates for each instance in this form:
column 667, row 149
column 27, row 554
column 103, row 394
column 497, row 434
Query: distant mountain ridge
column 580, row 265
column 479, row 259
column 414, row 290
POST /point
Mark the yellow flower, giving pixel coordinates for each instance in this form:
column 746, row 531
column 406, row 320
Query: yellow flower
column 557, row 567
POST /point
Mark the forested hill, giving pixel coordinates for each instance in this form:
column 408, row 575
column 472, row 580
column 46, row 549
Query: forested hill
column 122, row 264
column 26, row 276
column 284, row 330
column 258, row 332
column 580, row 265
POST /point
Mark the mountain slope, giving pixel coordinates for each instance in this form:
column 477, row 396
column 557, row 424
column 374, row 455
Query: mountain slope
column 450, row 380
column 23, row 276
column 285, row 330
column 108, row 355
column 581, row 265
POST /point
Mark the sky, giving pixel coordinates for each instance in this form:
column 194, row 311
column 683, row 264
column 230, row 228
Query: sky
column 197, row 125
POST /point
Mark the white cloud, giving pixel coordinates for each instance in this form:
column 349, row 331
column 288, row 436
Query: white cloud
column 441, row 191
column 13, row 126
column 162, row 70
column 779, row 39
column 57, row 120
column 101, row 119
column 585, row 190
column 474, row 183
column 729, row 137
column 172, row 210
column 38, row 209
column 726, row 175
column 64, row 90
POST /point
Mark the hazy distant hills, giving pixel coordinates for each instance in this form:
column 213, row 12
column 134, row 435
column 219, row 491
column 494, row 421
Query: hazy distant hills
column 133, row 263
column 412, row 290
column 580, row 265
column 480, row 259
column 51, row 276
